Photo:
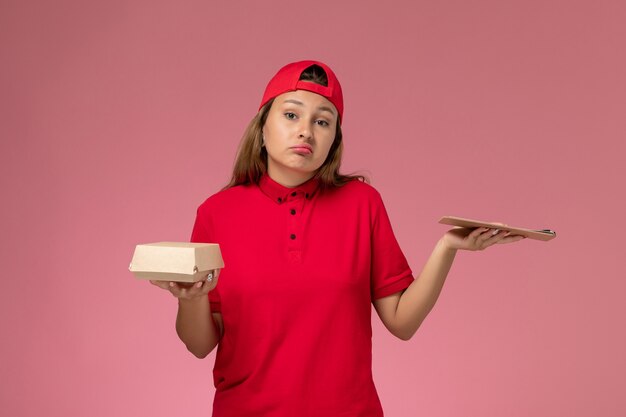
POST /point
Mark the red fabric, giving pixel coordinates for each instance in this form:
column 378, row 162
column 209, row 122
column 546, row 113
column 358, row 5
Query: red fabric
column 297, row 311
column 288, row 79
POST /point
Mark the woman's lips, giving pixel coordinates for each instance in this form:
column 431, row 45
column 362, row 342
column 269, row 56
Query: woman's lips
column 302, row 150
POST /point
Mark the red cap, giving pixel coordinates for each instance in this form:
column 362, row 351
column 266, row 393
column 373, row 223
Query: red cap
column 288, row 79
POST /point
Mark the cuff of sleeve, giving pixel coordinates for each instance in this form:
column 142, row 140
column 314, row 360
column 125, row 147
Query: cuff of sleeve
column 394, row 287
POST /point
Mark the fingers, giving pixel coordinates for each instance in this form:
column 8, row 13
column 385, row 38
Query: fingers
column 161, row 284
column 197, row 289
column 477, row 232
column 503, row 236
column 512, row 238
column 190, row 290
column 487, row 237
column 180, row 290
column 486, row 234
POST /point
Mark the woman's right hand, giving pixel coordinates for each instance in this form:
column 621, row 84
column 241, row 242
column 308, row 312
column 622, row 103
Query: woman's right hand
column 193, row 290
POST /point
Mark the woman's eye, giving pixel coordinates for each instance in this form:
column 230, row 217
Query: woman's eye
column 322, row 123
column 290, row 115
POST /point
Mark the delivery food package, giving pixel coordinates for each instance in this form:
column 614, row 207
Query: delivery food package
column 175, row 261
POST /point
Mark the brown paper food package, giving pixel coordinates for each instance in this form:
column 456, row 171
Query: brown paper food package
column 175, row 261
column 544, row 235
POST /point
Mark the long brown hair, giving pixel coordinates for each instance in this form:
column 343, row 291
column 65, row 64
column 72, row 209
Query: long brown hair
column 251, row 160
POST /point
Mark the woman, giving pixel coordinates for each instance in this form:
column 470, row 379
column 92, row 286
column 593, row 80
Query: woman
column 307, row 252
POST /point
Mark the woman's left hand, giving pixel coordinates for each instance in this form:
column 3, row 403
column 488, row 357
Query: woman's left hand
column 477, row 239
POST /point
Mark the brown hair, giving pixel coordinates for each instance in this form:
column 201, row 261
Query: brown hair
column 251, row 160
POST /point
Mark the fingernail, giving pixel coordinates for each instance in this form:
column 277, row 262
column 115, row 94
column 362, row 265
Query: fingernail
column 171, row 284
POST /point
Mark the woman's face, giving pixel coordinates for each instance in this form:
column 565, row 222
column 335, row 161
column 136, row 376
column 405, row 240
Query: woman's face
column 299, row 131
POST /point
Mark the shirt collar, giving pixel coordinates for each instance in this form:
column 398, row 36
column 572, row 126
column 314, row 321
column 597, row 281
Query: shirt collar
column 280, row 194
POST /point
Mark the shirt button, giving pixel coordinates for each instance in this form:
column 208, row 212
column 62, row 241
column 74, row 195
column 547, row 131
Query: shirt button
column 306, row 195
column 280, row 199
column 293, row 237
column 293, row 194
column 293, row 211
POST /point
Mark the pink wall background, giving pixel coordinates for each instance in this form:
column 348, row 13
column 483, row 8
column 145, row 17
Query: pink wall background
column 119, row 118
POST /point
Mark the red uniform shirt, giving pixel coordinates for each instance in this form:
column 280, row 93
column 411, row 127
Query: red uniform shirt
column 302, row 266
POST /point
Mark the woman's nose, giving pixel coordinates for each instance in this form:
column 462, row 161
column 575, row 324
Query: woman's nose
column 304, row 130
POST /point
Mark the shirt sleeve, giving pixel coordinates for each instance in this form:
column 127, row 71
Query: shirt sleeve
column 200, row 234
column 390, row 271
